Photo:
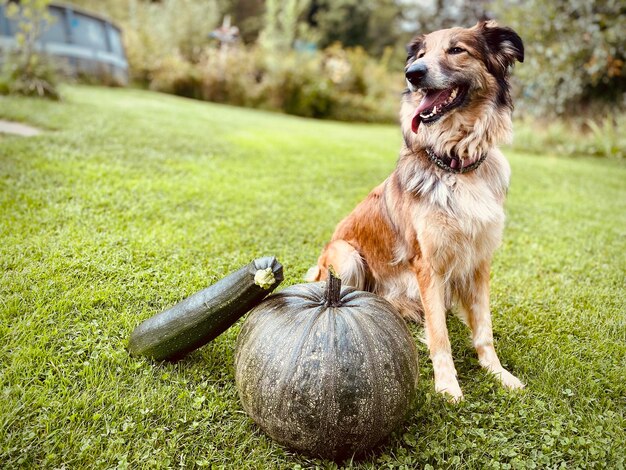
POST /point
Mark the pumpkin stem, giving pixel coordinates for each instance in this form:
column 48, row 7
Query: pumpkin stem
column 332, row 295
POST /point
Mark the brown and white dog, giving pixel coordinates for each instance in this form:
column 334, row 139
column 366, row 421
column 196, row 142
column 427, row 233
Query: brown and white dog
column 424, row 238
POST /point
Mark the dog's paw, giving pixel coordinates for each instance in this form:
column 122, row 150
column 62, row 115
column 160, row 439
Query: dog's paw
column 450, row 389
column 508, row 380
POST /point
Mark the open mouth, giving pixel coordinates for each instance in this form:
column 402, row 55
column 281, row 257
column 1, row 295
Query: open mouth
column 436, row 103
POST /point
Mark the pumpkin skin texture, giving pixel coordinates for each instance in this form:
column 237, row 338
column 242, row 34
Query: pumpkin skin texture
column 331, row 379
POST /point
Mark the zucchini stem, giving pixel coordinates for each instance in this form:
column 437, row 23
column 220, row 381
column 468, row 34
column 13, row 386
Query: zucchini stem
column 264, row 278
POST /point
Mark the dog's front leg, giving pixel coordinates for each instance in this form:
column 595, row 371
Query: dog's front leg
column 474, row 303
column 432, row 292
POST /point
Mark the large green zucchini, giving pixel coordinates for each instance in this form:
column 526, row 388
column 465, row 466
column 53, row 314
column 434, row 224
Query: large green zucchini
column 203, row 316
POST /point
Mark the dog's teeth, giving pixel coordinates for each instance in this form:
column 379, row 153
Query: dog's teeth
column 435, row 110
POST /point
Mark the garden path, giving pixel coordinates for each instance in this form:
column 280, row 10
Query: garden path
column 16, row 128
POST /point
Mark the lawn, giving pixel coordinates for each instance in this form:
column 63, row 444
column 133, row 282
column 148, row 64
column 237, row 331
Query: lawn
column 134, row 200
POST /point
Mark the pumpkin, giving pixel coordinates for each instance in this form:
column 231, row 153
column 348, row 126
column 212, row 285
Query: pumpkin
column 200, row 318
column 326, row 370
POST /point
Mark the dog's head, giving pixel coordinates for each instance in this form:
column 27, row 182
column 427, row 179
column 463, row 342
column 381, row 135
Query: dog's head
column 455, row 75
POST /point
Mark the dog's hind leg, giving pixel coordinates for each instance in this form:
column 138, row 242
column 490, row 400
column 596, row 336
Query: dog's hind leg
column 346, row 260
column 474, row 304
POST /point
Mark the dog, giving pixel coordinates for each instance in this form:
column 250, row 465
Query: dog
column 424, row 238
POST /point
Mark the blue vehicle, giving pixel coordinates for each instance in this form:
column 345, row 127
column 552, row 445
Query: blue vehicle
column 86, row 43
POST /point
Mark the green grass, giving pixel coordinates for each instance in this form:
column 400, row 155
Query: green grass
column 135, row 200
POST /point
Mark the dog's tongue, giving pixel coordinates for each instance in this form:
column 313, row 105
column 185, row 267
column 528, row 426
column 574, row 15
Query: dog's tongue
column 430, row 99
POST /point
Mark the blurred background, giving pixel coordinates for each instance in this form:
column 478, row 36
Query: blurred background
column 327, row 59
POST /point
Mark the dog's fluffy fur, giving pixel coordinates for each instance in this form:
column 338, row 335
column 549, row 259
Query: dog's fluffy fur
column 424, row 238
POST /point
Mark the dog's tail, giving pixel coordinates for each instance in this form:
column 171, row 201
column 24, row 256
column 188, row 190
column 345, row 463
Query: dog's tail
column 346, row 260
column 314, row 274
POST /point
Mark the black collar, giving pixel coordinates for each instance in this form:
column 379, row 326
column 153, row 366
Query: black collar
column 445, row 161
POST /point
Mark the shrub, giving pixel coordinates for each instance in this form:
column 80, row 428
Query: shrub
column 230, row 76
column 173, row 74
column 335, row 83
column 581, row 137
column 574, row 53
column 296, row 84
column 36, row 76
column 159, row 35
column 608, row 136
column 24, row 71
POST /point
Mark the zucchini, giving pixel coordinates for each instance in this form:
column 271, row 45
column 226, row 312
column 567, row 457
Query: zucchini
column 203, row 316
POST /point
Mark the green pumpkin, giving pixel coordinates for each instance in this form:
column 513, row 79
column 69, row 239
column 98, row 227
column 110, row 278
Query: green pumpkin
column 326, row 370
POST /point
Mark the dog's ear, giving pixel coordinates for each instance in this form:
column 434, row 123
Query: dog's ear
column 414, row 46
column 504, row 46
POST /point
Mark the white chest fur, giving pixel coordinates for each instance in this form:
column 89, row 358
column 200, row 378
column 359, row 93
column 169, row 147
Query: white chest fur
column 460, row 219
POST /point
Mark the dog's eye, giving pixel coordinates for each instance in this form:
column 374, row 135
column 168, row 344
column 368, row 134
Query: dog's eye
column 456, row 50
column 420, row 54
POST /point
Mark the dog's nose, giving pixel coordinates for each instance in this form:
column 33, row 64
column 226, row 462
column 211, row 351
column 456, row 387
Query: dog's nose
column 416, row 72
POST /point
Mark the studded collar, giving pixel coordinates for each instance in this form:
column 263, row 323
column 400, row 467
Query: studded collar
column 452, row 163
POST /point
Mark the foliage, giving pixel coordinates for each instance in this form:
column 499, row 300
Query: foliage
column 608, row 136
column 371, row 24
column 575, row 53
column 441, row 14
column 157, row 31
column 583, row 137
column 169, row 50
column 25, row 71
column 574, row 49
column 195, row 190
column 281, row 20
column 335, row 83
column 574, row 62
column 37, row 76
column 248, row 16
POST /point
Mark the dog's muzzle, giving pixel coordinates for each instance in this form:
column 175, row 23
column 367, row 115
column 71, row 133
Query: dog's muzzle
column 416, row 73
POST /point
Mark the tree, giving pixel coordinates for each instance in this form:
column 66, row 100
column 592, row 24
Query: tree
column 424, row 17
column 248, row 16
column 575, row 51
column 372, row 24
column 281, row 21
